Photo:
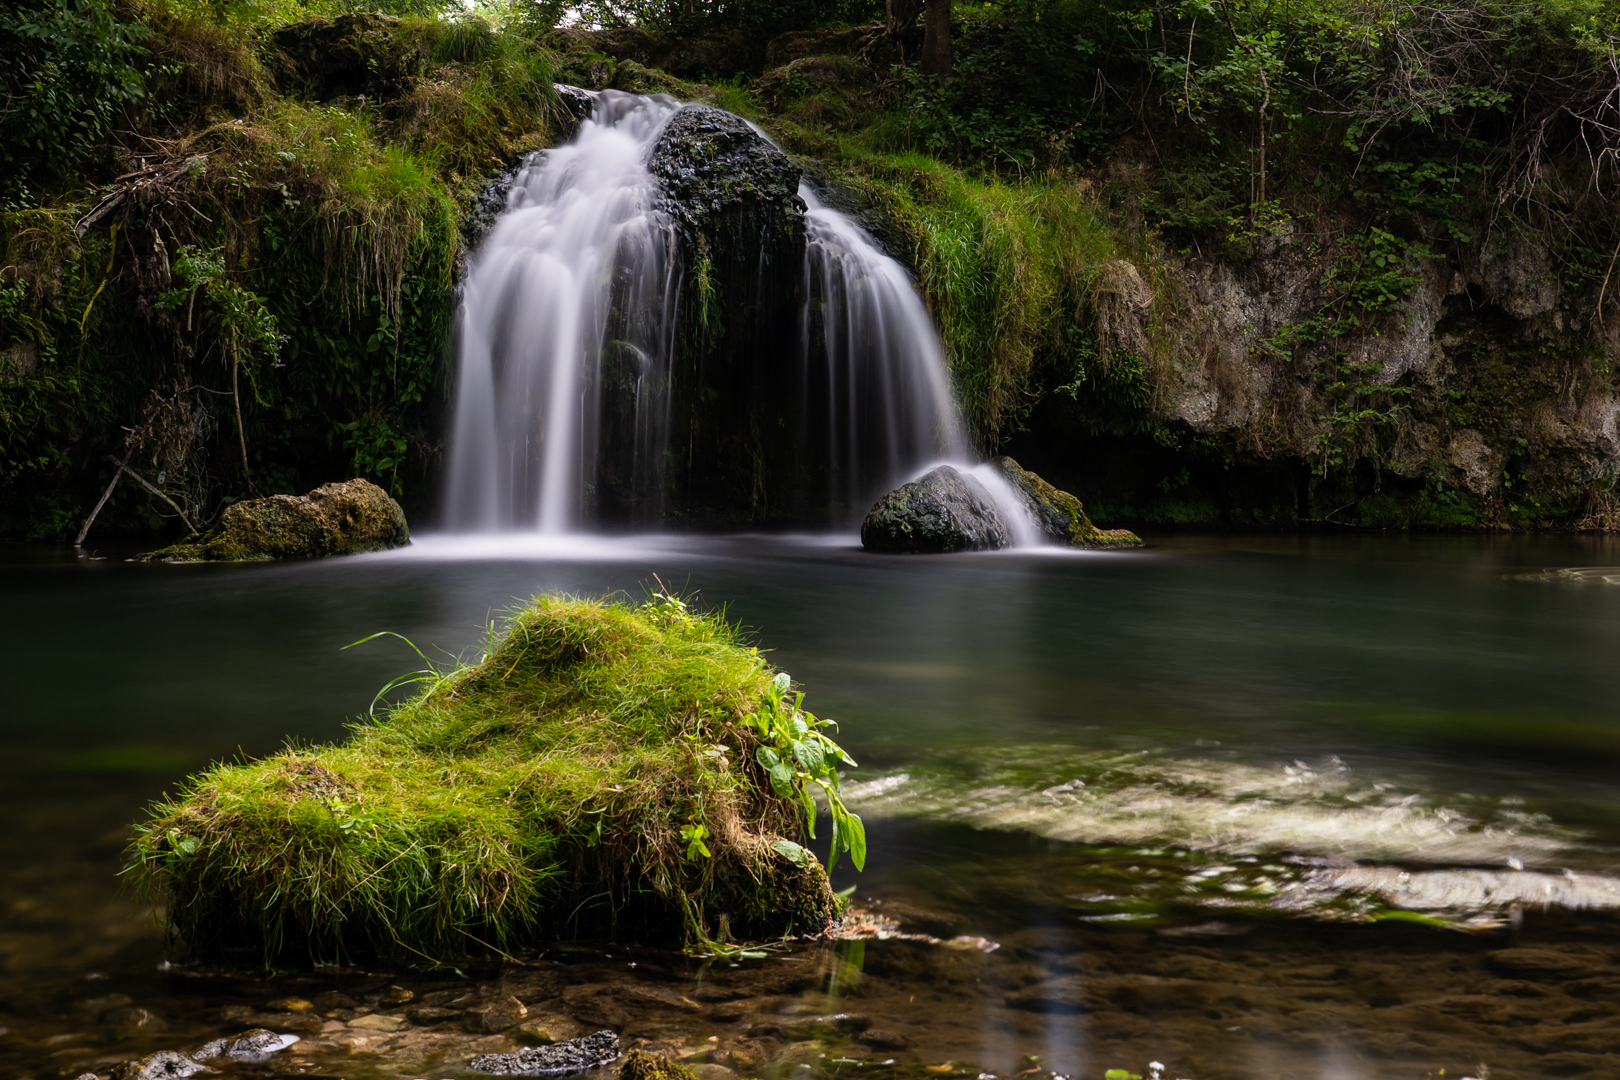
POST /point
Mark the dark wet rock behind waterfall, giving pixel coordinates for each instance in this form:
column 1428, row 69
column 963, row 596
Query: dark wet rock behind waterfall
column 942, row 511
column 719, row 174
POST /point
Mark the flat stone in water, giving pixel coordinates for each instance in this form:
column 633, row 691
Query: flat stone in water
column 558, row 1059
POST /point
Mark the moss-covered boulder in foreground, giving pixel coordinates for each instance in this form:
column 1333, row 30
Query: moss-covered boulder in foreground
column 604, row 767
column 334, row 519
column 1058, row 514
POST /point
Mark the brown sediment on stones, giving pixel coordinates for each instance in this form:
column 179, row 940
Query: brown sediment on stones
column 1058, row 514
column 334, row 519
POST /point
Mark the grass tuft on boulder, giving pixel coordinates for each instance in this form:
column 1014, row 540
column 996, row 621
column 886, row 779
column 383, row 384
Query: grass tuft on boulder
column 604, row 767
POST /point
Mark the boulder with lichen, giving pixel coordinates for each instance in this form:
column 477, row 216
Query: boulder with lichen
column 334, row 519
column 941, row 511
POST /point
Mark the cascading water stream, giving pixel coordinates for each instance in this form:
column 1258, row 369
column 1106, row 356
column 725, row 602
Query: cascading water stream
column 580, row 231
column 570, row 352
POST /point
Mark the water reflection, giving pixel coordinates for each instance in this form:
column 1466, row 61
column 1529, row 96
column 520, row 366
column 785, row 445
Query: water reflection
column 1180, row 684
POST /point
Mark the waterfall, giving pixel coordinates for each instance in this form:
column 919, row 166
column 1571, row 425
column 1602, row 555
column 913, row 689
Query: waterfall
column 872, row 360
column 578, row 398
column 578, row 261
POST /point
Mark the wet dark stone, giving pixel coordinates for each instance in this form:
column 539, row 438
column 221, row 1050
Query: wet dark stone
column 558, row 1059
column 163, row 1065
column 943, row 511
column 832, row 1024
column 428, row 1015
column 1540, row 964
column 883, row 1039
column 719, row 174
column 255, row 1045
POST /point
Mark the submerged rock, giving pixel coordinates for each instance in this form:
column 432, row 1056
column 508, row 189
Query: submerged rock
column 558, row 1059
column 942, row 511
column 1058, row 514
column 334, row 519
column 601, row 768
column 248, row 1047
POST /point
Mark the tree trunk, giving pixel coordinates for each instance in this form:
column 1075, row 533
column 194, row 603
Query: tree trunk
column 936, row 50
column 900, row 16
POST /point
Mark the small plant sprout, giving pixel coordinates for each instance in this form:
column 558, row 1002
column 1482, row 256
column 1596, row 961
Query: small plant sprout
column 797, row 756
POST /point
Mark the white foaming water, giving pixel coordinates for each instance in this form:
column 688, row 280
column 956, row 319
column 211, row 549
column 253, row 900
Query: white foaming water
column 881, row 367
column 579, row 227
column 581, row 263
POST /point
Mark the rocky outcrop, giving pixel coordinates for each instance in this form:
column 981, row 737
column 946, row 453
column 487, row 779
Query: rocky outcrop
column 350, row 56
column 942, row 511
column 335, row 519
column 1059, row 515
column 720, row 176
column 733, row 198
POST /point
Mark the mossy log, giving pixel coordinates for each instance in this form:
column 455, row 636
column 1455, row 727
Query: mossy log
column 334, row 519
column 598, row 770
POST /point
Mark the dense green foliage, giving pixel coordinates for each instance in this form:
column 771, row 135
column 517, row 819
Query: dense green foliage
column 1055, row 198
column 67, row 69
column 252, row 293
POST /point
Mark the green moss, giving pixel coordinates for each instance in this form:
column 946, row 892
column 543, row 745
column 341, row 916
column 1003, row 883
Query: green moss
column 334, row 519
column 640, row 1065
column 554, row 786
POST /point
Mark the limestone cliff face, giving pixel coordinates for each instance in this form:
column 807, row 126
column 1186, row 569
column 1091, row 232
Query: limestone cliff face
column 1491, row 377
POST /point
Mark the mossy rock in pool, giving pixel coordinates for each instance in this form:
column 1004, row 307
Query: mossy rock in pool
column 334, row 519
column 1058, row 514
column 598, row 770
column 942, row 511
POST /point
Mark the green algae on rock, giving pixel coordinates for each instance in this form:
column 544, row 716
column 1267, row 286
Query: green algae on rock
column 942, row 511
column 1058, row 514
column 602, row 767
column 334, row 519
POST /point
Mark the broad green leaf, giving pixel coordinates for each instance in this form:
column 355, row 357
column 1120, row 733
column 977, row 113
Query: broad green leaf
column 857, row 840
column 809, row 755
column 766, row 757
column 793, row 853
column 782, row 779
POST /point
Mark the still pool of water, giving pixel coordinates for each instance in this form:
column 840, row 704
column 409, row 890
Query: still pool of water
column 1332, row 807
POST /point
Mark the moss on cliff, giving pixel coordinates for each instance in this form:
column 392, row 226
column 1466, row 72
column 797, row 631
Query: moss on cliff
column 597, row 769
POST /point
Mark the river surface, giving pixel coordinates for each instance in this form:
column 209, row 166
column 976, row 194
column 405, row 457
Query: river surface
column 1325, row 807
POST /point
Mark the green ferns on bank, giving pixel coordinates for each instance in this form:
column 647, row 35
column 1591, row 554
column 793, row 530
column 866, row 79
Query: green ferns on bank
column 602, row 766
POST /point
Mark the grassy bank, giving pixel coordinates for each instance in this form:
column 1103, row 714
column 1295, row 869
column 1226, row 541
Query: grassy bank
column 604, row 767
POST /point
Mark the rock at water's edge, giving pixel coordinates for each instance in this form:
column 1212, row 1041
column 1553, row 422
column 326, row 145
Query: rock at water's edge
column 940, row 512
column 559, row 1059
column 1058, row 514
column 334, row 519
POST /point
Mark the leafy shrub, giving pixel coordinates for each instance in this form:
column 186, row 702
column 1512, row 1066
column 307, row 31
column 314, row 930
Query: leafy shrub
column 67, row 67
